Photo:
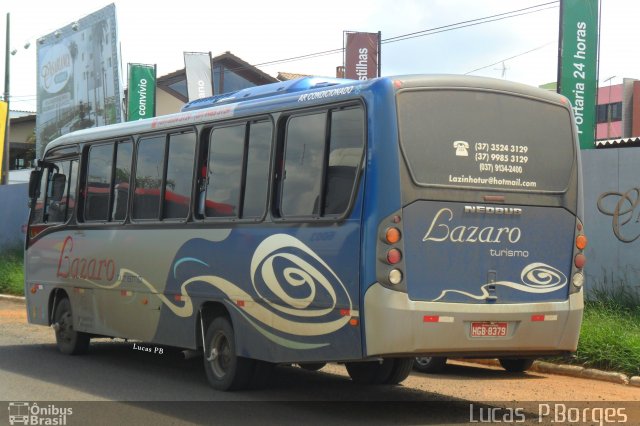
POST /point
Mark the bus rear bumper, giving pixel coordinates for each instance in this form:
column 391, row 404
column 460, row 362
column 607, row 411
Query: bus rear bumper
column 396, row 325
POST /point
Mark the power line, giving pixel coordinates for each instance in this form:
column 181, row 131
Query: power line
column 509, row 58
column 429, row 31
column 472, row 22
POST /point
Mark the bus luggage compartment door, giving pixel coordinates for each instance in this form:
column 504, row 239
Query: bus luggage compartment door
column 470, row 253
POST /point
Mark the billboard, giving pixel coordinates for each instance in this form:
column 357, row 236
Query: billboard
column 578, row 62
column 142, row 92
column 78, row 77
column 362, row 55
column 198, row 71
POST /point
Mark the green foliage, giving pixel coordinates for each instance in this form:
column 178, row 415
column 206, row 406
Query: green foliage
column 610, row 337
column 11, row 272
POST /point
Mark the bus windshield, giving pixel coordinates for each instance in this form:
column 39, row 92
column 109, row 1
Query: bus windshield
column 485, row 139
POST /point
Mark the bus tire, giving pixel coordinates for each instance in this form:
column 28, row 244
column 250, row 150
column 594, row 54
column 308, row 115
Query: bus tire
column 224, row 368
column 68, row 340
column 370, row 372
column 430, row 364
column 312, row 366
column 517, row 365
column 401, row 369
column 261, row 375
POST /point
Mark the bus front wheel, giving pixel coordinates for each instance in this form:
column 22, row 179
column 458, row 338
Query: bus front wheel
column 224, row 368
column 517, row 365
column 68, row 340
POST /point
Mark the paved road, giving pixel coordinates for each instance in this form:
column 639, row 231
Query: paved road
column 31, row 369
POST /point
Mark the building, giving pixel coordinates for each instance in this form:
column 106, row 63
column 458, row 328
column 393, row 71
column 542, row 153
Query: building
column 230, row 73
column 618, row 113
column 22, row 139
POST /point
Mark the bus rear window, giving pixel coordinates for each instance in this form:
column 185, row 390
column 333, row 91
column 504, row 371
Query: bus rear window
column 480, row 139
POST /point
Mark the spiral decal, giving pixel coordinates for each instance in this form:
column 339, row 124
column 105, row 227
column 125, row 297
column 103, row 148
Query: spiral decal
column 542, row 276
column 536, row 278
column 293, row 279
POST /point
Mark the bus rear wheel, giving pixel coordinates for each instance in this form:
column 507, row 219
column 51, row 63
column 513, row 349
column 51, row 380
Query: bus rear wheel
column 224, row 368
column 517, row 365
column 401, row 369
column 430, row 364
column 68, row 340
column 389, row 371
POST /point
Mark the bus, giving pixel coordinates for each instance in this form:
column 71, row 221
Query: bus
column 319, row 220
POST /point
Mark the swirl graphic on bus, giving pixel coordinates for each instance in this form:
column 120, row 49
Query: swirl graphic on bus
column 298, row 292
column 535, row 278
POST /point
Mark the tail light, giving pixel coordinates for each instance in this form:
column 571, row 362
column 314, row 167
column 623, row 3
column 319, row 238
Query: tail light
column 394, row 256
column 579, row 259
column 390, row 268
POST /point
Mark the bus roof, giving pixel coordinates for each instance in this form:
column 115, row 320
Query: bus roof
column 283, row 94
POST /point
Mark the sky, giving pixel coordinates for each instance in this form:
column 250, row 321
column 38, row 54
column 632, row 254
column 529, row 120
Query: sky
column 521, row 48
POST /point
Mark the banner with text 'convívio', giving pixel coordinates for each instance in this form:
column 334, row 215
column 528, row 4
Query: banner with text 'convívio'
column 142, row 92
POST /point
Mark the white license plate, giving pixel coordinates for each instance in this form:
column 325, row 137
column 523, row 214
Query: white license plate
column 488, row 329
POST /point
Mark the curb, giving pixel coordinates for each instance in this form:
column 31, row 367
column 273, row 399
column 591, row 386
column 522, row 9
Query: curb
column 538, row 366
column 17, row 299
column 570, row 370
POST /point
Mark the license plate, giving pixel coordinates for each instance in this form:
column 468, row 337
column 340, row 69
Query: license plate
column 488, row 329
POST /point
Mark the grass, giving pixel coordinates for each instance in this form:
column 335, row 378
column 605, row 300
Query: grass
column 610, row 337
column 11, row 273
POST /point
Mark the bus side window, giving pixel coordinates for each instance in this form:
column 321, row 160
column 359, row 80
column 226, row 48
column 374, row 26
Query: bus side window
column 345, row 156
column 39, row 205
column 257, row 170
column 149, row 171
column 61, row 191
column 180, row 165
column 319, row 169
column 98, row 189
column 303, row 164
column 226, row 152
column 121, row 180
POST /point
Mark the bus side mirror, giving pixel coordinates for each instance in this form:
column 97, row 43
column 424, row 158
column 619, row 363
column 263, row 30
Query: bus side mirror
column 58, row 184
column 34, row 184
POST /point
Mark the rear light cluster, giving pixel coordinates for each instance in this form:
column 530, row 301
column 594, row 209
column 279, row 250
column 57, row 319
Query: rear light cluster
column 392, row 237
column 579, row 259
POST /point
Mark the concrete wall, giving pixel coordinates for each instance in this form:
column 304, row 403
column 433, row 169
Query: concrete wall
column 13, row 214
column 612, row 217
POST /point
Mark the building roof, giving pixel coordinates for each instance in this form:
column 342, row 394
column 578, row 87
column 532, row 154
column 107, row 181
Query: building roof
column 228, row 60
column 14, row 114
column 285, row 76
column 619, row 143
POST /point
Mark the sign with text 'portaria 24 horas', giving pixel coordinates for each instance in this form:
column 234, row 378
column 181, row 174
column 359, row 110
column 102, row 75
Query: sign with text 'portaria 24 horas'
column 577, row 63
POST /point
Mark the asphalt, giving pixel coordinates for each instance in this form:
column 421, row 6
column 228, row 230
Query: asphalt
column 538, row 366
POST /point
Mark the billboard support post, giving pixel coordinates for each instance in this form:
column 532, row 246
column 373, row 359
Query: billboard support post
column 5, row 161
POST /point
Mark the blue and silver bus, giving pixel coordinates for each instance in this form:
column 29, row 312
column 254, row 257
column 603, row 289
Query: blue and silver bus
column 319, row 220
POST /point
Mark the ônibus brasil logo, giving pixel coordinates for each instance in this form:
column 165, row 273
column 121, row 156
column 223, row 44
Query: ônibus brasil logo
column 26, row 413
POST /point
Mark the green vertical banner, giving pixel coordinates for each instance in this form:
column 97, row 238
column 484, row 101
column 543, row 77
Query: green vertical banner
column 142, row 92
column 578, row 62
